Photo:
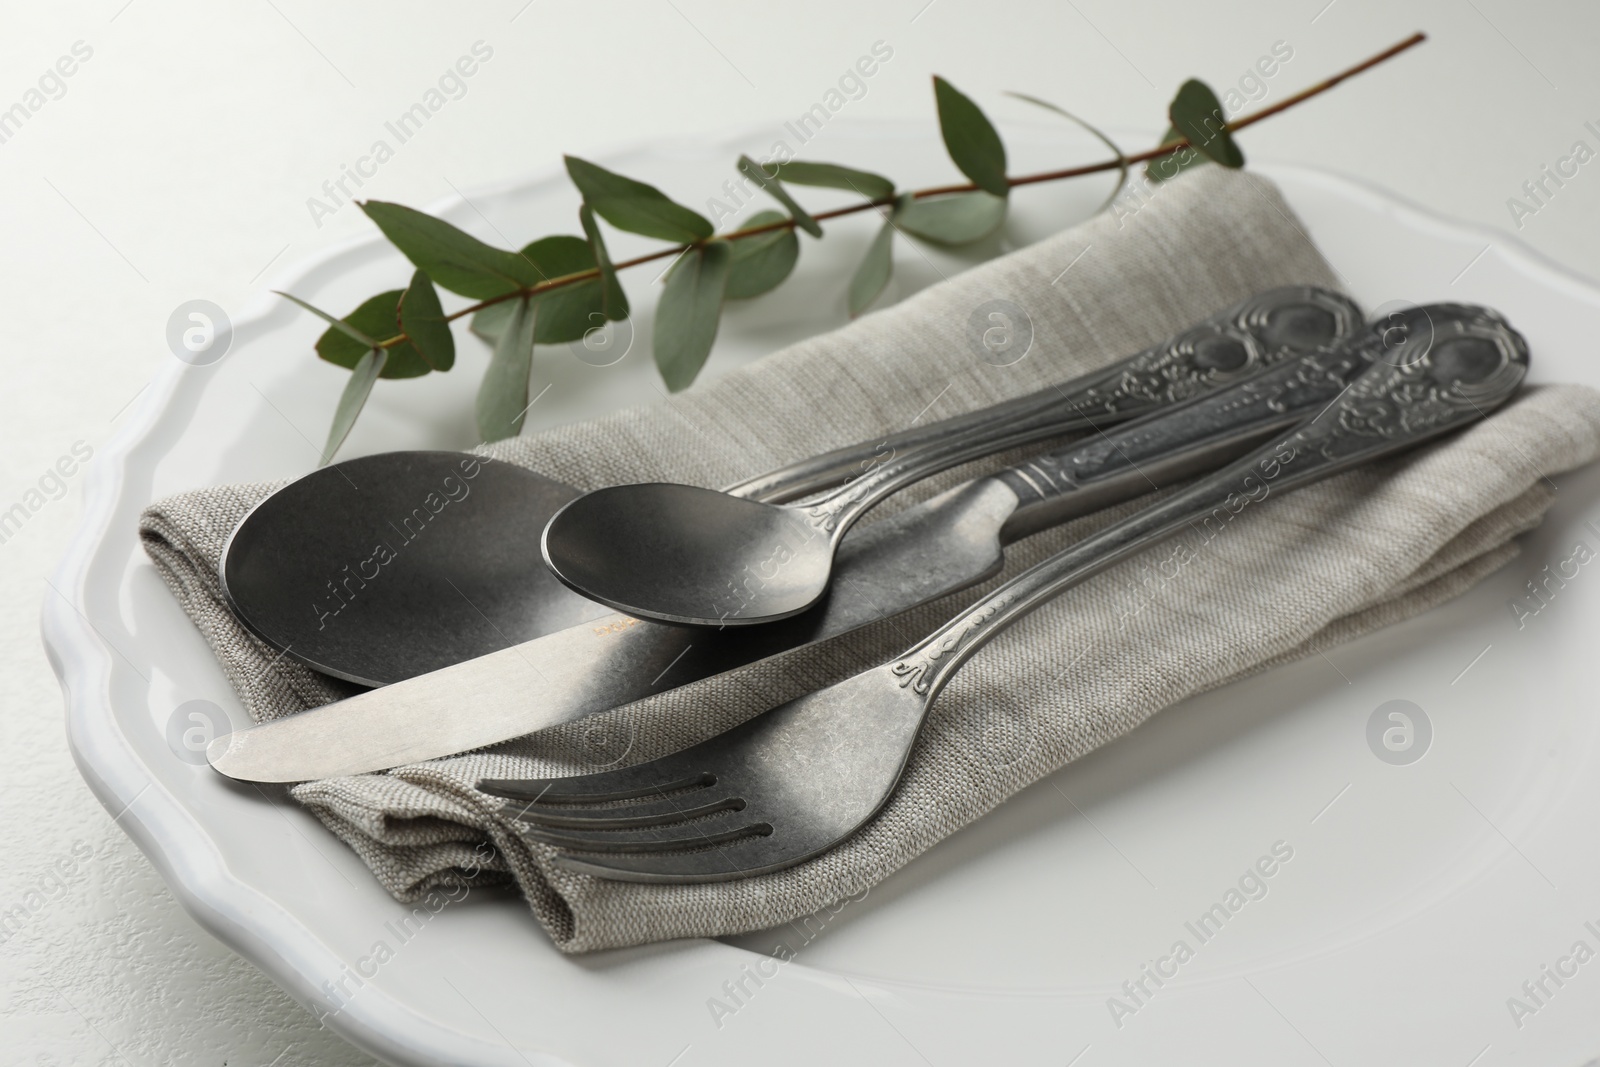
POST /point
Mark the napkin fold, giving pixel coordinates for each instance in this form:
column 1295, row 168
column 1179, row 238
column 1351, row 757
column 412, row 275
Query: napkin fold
column 1281, row 581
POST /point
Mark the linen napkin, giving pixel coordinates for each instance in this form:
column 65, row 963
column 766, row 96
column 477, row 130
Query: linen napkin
column 1309, row 569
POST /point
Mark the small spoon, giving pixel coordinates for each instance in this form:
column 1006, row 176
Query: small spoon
column 689, row 555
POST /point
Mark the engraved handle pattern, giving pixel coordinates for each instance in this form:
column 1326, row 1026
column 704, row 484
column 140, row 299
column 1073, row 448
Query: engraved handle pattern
column 1469, row 363
column 918, row 671
column 1286, row 321
column 1229, row 347
column 1292, row 389
column 1466, row 361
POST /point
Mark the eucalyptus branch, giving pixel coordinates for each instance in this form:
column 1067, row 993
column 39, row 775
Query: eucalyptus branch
column 1160, row 152
column 561, row 285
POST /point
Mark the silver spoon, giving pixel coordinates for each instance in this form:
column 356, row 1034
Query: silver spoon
column 689, row 555
column 799, row 779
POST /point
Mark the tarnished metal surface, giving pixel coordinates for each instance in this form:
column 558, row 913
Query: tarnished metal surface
column 943, row 545
column 804, row 776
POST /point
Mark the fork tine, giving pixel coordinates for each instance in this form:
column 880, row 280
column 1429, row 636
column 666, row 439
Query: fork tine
column 658, row 839
column 629, row 783
column 725, row 863
column 662, row 812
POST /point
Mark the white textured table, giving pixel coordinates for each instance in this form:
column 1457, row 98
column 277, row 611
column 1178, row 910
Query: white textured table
column 180, row 158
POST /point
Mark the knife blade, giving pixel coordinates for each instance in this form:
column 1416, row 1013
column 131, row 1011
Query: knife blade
column 945, row 544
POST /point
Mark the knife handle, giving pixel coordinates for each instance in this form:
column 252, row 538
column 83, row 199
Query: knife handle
column 1207, row 431
column 1264, row 329
column 1430, row 383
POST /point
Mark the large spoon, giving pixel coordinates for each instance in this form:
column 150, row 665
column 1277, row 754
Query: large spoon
column 689, row 555
column 382, row 568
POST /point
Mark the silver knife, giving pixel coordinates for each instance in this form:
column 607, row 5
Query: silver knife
column 940, row 546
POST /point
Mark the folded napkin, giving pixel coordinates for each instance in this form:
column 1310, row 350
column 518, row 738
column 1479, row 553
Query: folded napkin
column 1307, row 570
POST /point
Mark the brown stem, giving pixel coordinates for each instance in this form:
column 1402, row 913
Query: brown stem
column 944, row 190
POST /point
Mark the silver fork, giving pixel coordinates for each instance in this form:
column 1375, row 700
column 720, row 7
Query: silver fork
column 795, row 781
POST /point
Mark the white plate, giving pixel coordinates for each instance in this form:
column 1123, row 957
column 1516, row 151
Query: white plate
column 1418, row 899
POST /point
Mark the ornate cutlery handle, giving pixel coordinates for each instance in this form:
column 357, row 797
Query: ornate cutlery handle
column 1264, row 329
column 1224, row 349
column 1433, row 381
column 1198, row 435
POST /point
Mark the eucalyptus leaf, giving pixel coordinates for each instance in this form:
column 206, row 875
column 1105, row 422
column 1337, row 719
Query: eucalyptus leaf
column 366, row 371
column 873, row 273
column 1159, row 170
column 971, row 139
column 340, row 325
column 558, row 256
column 453, row 258
column 565, row 314
column 832, row 176
column 1197, row 114
column 683, row 254
column 490, row 322
column 760, row 263
column 802, row 218
column 634, row 206
column 422, row 320
column 378, row 317
column 1122, row 160
column 566, row 311
column 957, row 219
column 503, row 394
column 613, row 301
column 686, row 317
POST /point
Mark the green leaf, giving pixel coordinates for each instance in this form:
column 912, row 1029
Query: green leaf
column 761, row 262
column 686, row 317
column 490, row 322
column 503, row 395
column 971, row 139
column 873, row 274
column 558, row 256
column 453, row 258
column 683, row 254
column 340, row 325
column 802, row 218
column 1197, row 114
column 1159, row 170
column 359, row 332
column 635, row 206
column 566, row 312
column 1122, row 160
column 832, row 176
column 958, row 219
column 423, row 321
column 613, row 301
column 353, row 399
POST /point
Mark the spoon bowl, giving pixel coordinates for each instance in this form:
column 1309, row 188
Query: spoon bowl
column 697, row 555
column 389, row 566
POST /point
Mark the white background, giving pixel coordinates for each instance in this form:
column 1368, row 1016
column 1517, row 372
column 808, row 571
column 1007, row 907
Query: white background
column 179, row 161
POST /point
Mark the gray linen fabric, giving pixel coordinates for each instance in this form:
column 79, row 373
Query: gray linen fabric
column 1300, row 573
